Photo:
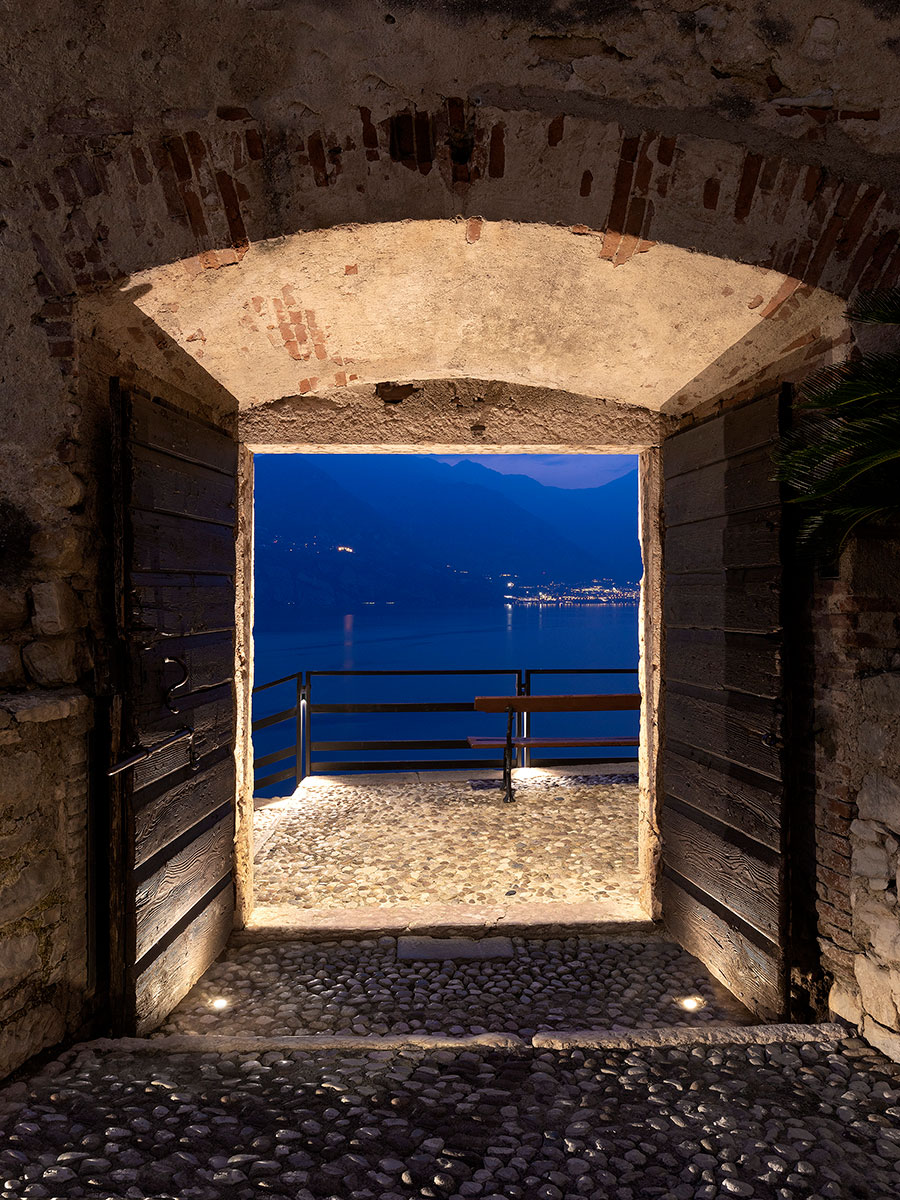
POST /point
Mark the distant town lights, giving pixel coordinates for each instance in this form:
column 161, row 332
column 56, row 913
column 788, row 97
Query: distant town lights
column 346, row 549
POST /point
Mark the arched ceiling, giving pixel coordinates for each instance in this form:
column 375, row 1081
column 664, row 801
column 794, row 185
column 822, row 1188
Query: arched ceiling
column 532, row 304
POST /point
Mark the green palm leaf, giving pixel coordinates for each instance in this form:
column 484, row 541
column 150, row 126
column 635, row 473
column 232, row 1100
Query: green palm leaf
column 842, row 458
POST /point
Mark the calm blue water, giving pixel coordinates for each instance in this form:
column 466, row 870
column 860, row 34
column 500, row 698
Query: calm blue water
column 501, row 639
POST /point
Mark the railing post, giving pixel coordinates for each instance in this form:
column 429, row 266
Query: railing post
column 299, row 762
column 525, row 718
column 307, row 759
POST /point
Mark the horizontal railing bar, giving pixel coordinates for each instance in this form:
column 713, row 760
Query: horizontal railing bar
column 439, row 671
column 265, row 722
column 583, row 671
column 575, row 762
column 261, row 687
column 259, row 784
column 276, row 756
column 453, row 764
column 462, row 706
column 453, row 744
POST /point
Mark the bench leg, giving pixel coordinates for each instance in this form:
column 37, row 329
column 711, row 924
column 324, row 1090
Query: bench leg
column 508, row 794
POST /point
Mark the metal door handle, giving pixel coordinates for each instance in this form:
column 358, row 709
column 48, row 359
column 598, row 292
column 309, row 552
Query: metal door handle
column 182, row 682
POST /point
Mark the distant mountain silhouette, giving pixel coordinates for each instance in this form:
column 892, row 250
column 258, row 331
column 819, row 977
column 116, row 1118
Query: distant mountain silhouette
column 425, row 534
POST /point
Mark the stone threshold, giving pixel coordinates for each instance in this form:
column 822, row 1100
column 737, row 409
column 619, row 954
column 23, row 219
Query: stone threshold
column 620, row 919
column 584, row 1039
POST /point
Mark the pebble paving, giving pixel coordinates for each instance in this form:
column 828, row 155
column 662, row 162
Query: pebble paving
column 811, row 1120
column 359, row 987
column 348, row 844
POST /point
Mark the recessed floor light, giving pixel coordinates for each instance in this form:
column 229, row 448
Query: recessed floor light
column 219, row 1002
column 691, row 1003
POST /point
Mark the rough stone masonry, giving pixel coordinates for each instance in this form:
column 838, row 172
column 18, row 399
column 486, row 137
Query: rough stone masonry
column 158, row 163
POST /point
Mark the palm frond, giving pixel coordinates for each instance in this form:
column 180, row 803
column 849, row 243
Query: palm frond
column 878, row 308
column 842, row 458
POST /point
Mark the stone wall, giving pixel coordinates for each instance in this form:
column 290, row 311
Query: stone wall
column 857, row 766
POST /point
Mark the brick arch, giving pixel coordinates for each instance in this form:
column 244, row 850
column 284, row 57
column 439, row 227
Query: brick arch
column 207, row 196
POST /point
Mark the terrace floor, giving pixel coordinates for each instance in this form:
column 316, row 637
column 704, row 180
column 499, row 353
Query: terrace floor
column 443, row 853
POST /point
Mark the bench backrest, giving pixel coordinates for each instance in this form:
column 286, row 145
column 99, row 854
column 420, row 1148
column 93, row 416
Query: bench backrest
column 614, row 703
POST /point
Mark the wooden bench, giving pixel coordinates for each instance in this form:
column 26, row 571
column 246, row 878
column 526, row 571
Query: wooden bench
column 511, row 705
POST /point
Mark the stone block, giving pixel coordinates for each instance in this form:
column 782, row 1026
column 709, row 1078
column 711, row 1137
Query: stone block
column 56, row 608
column 843, row 1002
column 60, row 548
column 12, row 673
column 37, row 707
column 51, row 663
column 13, row 609
column 29, row 886
column 877, row 922
column 28, row 1033
column 879, row 799
column 881, row 693
column 872, row 861
column 18, row 959
column 875, row 989
column 20, row 778
column 885, row 1040
column 432, row 949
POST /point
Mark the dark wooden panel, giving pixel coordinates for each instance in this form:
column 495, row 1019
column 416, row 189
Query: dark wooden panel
column 175, row 971
column 734, row 600
column 210, row 714
column 193, row 604
column 163, row 483
column 734, row 433
column 722, row 488
column 208, row 659
column 727, row 724
column 742, row 662
column 155, row 425
column 742, row 540
column 163, row 811
column 743, row 876
column 179, row 882
column 164, row 543
column 735, row 796
column 750, row 971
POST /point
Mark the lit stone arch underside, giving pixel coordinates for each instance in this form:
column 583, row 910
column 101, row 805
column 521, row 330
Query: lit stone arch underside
column 335, row 311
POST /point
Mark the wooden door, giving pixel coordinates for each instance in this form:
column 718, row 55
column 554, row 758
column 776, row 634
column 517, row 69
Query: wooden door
column 173, row 812
column 723, row 818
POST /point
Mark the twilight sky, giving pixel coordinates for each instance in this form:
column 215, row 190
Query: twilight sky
column 557, row 470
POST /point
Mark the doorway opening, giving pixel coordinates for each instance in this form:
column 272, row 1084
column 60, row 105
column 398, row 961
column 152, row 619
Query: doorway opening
column 391, row 593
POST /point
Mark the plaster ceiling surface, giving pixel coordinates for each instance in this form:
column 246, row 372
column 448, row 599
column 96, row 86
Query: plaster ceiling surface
column 531, row 304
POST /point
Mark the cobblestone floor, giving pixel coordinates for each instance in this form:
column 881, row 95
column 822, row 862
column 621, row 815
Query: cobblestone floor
column 353, row 844
column 360, row 987
column 817, row 1120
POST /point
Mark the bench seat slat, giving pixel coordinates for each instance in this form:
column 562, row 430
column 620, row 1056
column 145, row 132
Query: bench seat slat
column 486, row 743
column 593, row 703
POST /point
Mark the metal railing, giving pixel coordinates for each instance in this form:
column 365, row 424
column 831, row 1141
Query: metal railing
column 299, row 748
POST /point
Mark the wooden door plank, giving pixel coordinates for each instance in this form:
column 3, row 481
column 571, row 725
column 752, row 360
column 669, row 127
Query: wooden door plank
column 178, row 967
column 165, row 543
column 727, row 725
column 179, row 882
column 744, row 878
column 162, row 483
column 750, row 971
column 734, row 433
column 732, row 486
column 208, row 659
column 157, row 426
column 746, row 600
column 745, row 801
column 189, row 604
column 741, row 540
column 738, row 662
column 164, row 811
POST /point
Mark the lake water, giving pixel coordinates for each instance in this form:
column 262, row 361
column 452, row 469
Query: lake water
column 499, row 639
